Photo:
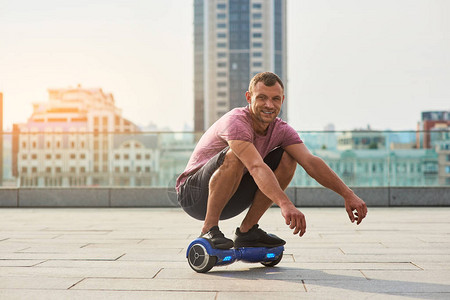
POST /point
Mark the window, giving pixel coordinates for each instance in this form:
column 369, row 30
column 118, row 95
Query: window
column 221, row 74
column 24, row 156
column 221, row 35
column 57, row 156
column 24, row 144
column 257, row 64
column 126, row 169
column 221, row 94
column 82, row 170
column 257, row 5
column 147, row 156
column 448, row 157
column 82, row 156
column 221, row 6
column 221, row 45
column 257, row 45
column 147, row 169
column 33, row 156
column 138, row 156
column 126, row 156
column 73, row 156
column 221, row 54
column 257, row 16
column 24, row 169
column 221, row 25
column 221, row 16
column 138, row 169
column 34, row 170
column 257, row 25
column 257, row 54
column 72, row 145
column 49, row 145
column 117, row 156
column 257, row 35
column 58, row 144
column 447, row 169
column 221, row 84
column 221, row 64
column 117, row 169
column 73, row 170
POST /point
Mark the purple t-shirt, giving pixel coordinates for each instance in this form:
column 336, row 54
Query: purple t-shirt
column 237, row 125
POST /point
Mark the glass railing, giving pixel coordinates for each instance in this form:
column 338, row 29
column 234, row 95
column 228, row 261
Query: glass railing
column 154, row 159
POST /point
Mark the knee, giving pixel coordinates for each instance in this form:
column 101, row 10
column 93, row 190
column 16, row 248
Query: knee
column 232, row 161
column 287, row 164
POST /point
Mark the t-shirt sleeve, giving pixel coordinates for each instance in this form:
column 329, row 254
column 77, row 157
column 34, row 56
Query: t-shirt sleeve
column 290, row 136
column 235, row 127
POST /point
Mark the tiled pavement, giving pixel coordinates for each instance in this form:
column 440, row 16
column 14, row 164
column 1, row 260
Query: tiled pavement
column 396, row 253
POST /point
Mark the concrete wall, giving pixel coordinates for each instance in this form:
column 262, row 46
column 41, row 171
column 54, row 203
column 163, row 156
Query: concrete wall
column 164, row 197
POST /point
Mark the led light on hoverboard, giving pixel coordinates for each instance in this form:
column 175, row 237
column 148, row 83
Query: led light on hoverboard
column 227, row 258
column 270, row 255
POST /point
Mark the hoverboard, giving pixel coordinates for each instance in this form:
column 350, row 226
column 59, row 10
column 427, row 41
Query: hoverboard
column 202, row 256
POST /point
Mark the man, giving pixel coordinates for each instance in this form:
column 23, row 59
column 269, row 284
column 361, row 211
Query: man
column 247, row 159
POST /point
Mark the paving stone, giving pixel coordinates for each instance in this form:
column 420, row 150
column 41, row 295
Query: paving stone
column 31, row 282
column 111, row 272
column 396, row 253
column 189, row 285
column 110, row 295
column 385, row 286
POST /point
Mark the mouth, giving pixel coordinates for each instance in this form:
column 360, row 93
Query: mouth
column 267, row 112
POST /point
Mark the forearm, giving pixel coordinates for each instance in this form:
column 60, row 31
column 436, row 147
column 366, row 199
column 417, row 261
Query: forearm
column 268, row 184
column 324, row 175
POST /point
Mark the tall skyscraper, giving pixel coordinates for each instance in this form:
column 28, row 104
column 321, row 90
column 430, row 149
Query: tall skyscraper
column 233, row 41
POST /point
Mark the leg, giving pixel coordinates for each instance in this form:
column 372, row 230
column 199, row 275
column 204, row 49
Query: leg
column 284, row 173
column 222, row 185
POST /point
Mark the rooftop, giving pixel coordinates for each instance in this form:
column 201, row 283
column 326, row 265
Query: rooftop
column 139, row 253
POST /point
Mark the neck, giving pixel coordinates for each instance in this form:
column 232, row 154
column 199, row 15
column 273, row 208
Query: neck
column 259, row 127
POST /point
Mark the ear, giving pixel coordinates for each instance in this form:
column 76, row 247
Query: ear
column 248, row 96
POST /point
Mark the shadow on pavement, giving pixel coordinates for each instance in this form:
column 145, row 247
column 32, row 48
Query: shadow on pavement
column 311, row 279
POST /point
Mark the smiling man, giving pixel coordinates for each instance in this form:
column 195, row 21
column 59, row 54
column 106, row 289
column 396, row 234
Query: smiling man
column 247, row 159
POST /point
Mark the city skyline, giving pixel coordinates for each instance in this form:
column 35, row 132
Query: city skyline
column 349, row 63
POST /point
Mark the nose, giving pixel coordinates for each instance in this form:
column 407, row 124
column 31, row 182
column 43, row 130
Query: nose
column 269, row 104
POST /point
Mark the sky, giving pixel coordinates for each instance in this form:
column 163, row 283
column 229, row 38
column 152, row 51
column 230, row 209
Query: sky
column 351, row 63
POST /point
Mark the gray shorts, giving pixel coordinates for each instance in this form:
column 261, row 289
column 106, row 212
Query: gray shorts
column 193, row 193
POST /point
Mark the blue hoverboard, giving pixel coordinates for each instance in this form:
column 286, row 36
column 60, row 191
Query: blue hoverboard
column 202, row 256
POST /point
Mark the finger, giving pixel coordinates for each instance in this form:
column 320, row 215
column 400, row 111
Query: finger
column 350, row 215
column 303, row 226
column 288, row 220
column 298, row 226
column 360, row 215
column 293, row 223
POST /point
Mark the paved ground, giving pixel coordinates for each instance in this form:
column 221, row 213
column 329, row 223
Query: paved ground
column 397, row 253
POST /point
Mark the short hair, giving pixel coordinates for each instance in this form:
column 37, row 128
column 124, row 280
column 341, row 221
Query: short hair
column 268, row 78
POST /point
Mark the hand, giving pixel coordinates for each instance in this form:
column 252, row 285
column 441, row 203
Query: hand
column 294, row 218
column 353, row 203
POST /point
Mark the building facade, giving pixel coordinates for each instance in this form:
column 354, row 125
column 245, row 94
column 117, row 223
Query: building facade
column 431, row 120
column 79, row 138
column 233, row 41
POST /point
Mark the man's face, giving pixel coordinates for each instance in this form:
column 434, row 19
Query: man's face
column 265, row 101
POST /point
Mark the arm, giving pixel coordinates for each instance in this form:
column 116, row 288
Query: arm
column 324, row 175
column 268, row 184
